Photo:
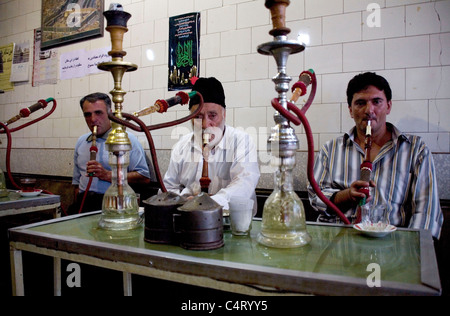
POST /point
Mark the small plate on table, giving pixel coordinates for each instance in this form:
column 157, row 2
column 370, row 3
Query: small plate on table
column 30, row 193
column 375, row 230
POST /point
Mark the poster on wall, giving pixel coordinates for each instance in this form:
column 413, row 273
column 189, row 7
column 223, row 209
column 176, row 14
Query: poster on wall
column 45, row 65
column 6, row 59
column 184, row 50
column 65, row 22
column 21, row 62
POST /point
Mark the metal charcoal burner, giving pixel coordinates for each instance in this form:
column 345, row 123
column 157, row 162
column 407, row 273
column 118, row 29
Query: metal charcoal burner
column 159, row 211
column 199, row 224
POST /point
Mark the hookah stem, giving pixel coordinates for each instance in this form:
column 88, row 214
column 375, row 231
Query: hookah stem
column 205, row 181
column 120, row 201
column 141, row 127
column 366, row 167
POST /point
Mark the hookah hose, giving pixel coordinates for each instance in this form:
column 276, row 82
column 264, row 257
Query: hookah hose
column 161, row 106
column 93, row 156
column 6, row 130
column 141, row 127
column 299, row 118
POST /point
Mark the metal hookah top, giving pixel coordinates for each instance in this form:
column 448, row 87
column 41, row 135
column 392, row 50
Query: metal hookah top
column 283, row 143
column 117, row 20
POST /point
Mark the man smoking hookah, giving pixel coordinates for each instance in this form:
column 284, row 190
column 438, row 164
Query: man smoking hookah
column 232, row 159
column 95, row 109
column 403, row 172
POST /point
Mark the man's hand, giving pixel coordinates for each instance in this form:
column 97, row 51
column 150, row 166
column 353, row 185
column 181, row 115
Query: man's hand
column 352, row 195
column 96, row 168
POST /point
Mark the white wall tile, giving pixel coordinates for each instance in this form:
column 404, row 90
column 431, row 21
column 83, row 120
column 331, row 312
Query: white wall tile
column 342, row 28
column 428, row 83
column 251, row 14
column 222, row 19
column 326, row 59
column 439, row 116
column 392, row 24
column 252, row 66
column 440, row 49
column 223, row 68
column 364, row 56
column 422, row 19
column 316, row 8
column 416, row 48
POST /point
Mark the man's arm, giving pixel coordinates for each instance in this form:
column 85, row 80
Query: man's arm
column 426, row 208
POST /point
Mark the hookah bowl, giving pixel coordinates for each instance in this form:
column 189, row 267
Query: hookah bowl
column 284, row 220
column 120, row 209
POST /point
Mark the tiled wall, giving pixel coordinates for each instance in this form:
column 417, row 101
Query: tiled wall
column 411, row 48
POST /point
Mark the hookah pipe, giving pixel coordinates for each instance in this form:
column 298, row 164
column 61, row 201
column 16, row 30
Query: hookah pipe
column 140, row 126
column 298, row 117
column 205, row 181
column 161, row 106
column 93, row 156
column 25, row 112
column 366, row 167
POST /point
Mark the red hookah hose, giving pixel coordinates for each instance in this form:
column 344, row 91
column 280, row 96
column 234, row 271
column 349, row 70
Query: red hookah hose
column 299, row 119
column 6, row 130
column 85, row 194
column 141, row 127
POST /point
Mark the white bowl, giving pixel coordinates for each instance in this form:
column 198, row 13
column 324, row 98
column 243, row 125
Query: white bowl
column 30, row 194
column 374, row 230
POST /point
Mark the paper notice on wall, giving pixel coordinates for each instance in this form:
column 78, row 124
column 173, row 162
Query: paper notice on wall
column 45, row 66
column 81, row 63
column 6, row 58
column 21, row 62
column 95, row 57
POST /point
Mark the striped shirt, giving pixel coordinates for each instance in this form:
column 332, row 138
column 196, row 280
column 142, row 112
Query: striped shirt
column 403, row 172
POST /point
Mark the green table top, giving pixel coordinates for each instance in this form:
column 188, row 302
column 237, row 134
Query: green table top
column 334, row 250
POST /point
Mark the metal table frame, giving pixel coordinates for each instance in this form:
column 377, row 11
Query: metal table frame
column 218, row 274
column 40, row 203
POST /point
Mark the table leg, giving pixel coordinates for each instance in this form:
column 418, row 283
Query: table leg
column 17, row 272
column 127, row 284
column 56, row 276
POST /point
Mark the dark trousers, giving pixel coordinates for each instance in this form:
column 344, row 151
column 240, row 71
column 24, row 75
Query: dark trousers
column 92, row 203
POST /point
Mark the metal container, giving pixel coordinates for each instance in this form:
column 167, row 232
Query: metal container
column 159, row 211
column 199, row 224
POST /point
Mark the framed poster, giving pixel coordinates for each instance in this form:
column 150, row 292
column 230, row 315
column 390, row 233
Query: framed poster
column 184, row 50
column 65, row 22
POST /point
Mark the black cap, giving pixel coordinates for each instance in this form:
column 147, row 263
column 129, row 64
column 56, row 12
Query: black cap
column 211, row 90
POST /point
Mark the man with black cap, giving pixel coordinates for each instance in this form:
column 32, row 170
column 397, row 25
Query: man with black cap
column 232, row 162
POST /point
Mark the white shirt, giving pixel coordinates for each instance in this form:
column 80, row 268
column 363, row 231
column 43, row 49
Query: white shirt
column 233, row 167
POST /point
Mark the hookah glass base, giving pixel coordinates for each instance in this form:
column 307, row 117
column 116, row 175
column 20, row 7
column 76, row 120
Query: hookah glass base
column 120, row 210
column 284, row 224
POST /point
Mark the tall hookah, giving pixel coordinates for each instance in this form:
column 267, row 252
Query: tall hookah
column 284, row 221
column 120, row 210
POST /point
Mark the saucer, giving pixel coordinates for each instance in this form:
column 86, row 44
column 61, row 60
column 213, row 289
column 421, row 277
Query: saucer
column 374, row 231
column 30, row 194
